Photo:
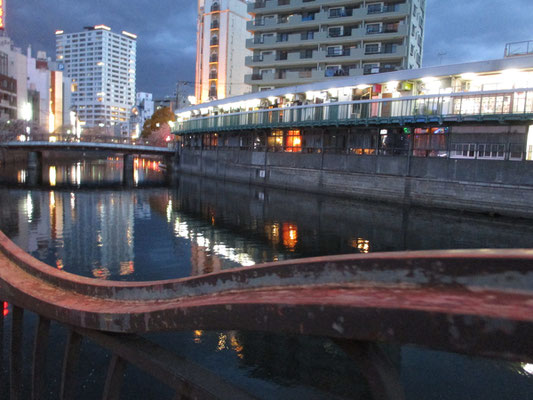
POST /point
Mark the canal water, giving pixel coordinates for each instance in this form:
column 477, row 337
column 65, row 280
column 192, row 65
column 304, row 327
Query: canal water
column 79, row 216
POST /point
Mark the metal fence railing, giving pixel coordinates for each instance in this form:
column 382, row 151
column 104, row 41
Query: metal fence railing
column 453, row 106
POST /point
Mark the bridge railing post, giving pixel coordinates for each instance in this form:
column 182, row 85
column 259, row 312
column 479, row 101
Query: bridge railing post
column 15, row 365
column 70, row 366
column 39, row 358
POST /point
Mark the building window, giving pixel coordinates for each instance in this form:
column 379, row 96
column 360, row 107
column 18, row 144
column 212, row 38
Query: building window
column 335, row 12
column 335, row 31
column 372, row 48
column 373, row 28
column 275, row 141
column 463, row 150
column 374, row 8
column 293, row 141
column 283, row 37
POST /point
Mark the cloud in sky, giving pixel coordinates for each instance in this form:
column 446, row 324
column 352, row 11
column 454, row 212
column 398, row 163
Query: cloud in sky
column 458, row 30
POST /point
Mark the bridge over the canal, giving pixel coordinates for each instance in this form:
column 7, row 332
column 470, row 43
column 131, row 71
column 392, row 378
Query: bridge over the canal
column 35, row 145
column 469, row 302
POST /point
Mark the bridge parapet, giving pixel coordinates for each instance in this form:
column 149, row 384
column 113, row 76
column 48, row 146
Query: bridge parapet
column 471, row 302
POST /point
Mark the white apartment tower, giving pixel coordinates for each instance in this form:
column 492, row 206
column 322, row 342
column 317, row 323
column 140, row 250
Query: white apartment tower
column 304, row 41
column 220, row 49
column 102, row 67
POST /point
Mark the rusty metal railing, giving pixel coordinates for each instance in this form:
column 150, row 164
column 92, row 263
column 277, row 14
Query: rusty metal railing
column 469, row 302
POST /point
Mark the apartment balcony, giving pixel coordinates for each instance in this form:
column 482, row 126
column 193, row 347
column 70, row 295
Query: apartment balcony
column 293, row 40
column 272, row 60
column 387, row 34
column 288, row 78
column 279, row 6
column 355, row 35
column 386, row 54
column 344, row 55
column 387, row 12
column 382, row 69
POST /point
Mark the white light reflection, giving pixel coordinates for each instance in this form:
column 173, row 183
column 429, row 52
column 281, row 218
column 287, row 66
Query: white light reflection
column 29, row 207
column 52, row 173
column 528, row 368
column 72, row 201
column 182, row 230
column 169, row 211
column 22, row 176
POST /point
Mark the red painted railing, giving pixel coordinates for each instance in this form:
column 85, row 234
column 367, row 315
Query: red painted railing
column 470, row 302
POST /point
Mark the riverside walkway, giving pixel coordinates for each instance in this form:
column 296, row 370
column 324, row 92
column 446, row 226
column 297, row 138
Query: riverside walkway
column 469, row 302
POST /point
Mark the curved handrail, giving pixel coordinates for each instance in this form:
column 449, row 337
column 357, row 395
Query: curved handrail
column 475, row 302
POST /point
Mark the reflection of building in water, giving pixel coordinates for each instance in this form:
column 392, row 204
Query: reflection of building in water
column 97, row 237
column 117, row 230
column 313, row 362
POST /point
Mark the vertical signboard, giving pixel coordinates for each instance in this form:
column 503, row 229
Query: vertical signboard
column 2, row 15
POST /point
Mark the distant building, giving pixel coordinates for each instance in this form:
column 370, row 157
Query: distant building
column 296, row 42
column 102, row 67
column 13, row 66
column 49, row 94
column 140, row 112
column 220, row 49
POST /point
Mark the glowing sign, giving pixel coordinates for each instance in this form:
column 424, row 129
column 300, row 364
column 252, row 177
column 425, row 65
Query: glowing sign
column 2, row 15
column 131, row 35
column 107, row 28
column 58, row 32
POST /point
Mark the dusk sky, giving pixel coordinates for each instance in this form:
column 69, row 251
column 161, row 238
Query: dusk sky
column 458, row 30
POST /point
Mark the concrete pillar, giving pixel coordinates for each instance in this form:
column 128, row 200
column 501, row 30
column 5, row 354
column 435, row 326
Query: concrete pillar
column 127, row 176
column 35, row 160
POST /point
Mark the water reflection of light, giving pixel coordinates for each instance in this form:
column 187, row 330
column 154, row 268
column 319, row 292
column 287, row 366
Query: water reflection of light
column 101, row 273
column 203, row 241
column 52, row 200
column 29, row 207
column 136, row 177
column 236, row 345
column 182, row 230
column 272, row 232
column 290, row 235
column 75, row 174
column 198, row 336
column 99, row 240
column 52, row 174
column 362, row 245
column 221, row 341
column 72, row 201
column 169, row 211
column 6, row 309
column 22, row 175
column 127, row 268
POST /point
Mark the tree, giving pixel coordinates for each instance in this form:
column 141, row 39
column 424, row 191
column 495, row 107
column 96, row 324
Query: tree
column 159, row 119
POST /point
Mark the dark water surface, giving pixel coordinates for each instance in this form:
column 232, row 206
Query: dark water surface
column 78, row 216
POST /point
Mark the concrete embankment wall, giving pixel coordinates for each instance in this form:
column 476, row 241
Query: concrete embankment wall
column 503, row 187
column 12, row 156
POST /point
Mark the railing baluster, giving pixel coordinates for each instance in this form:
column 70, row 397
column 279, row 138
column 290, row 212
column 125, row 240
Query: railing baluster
column 70, row 364
column 113, row 382
column 39, row 358
column 15, row 369
column 2, row 316
column 382, row 376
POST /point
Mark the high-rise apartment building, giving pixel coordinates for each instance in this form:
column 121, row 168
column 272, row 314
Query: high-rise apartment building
column 304, row 41
column 102, row 67
column 220, row 49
